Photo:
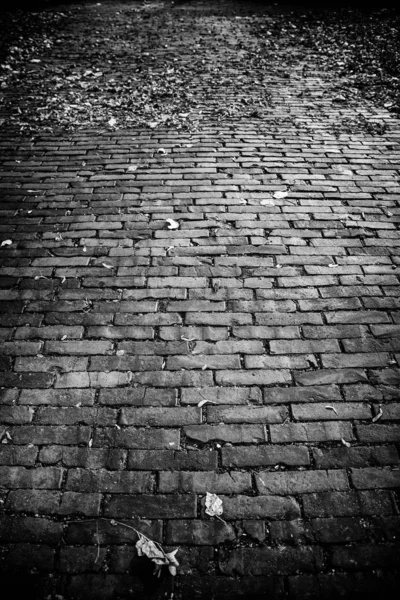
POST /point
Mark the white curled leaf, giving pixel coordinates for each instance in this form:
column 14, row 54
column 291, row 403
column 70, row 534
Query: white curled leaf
column 172, row 224
column 146, row 547
column 112, row 122
column 203, row 402
column 185, row 339
column 332, row 408
column 213, row 505
column 347, row 444
column 107, row 266
column 378, row 416
column 280, row 195
column 6, row 243
column 171, row 557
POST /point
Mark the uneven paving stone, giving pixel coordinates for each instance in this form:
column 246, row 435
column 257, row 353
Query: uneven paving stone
column 252, row 351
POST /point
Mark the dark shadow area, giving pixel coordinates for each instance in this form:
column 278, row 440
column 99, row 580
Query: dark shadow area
column 35, row 5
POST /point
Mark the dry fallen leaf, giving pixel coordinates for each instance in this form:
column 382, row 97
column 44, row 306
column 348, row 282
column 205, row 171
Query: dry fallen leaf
column 6, row 243
column 378, row 416
column 347, row 444
column 154, row 551
column 107, row 266
column 280, row 194
column 213, row 505
column 112, row 122
column 172, row 224
column 332, row 408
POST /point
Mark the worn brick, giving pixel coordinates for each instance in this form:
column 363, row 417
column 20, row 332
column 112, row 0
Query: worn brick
column 40, row 478
column 260, row 561
column 350, row 503
column 202, row 482
column 235, row 434
column 259, row 456
column 292, row 483
column 111, row 482
column 151, row 507
column 198, row 533
column 162, row 460
column 311, row 432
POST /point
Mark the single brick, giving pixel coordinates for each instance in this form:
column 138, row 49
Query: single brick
column 262, row 561
column 259, row 456
column 235, row 434
column 311, row 432
column 323, row 393
column 357, row 456
column 199, row 533
column 41, row 478
column 254, row 377
column 371, row 478
column 292, row 483
column 162, row 460
column 219, row 395
column 111, row 482
column 260, row 507
column 151, row 507
column 351, row 503
column 202, row 482
column 87, row 504
column 331, row 412
column 244, row 414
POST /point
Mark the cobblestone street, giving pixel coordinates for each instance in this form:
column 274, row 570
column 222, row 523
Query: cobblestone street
column 200, row 300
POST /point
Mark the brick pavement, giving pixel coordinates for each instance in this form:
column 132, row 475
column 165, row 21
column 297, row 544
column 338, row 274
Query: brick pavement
column 279, row 310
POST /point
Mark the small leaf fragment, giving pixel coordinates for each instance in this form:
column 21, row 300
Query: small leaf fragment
column 107, row 266
column 6, row 243
column 205, row 401
column 332, row 408
column 347, row 444
column 185, row 339
column 378, row 416
column 172, row 224
column 280, row 195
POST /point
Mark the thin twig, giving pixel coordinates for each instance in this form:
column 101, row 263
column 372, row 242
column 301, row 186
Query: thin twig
column 98, row 543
